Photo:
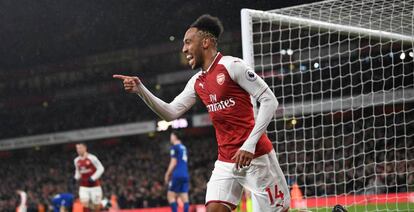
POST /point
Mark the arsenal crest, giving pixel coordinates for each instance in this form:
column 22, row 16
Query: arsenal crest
column 220, row 78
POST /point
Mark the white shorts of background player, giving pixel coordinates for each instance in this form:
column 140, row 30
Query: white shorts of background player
column 90, row 195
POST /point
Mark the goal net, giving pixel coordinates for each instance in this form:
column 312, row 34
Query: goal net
column 343, row 74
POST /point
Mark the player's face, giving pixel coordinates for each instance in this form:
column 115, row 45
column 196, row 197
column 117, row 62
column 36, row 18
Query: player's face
column 193, row 47
column 80, row 149
column 173, row 138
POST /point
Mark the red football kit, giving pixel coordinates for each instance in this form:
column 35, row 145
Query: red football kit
column 229, row 107
column 88, row 167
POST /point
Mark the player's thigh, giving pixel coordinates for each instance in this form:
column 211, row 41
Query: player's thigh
column 84, row 195
column 223, row 187
column 183, row 197
column 218, row 207
column 171, row 196
column 96, row 195
column 267, row 184
column 262, row 202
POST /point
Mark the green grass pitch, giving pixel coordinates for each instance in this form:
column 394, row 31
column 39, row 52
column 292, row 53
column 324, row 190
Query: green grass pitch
column 407, row 207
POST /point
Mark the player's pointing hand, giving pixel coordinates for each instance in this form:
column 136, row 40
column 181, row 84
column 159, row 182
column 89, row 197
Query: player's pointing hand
column 130, row 82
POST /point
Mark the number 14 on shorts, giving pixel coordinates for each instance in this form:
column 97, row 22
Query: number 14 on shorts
column 278, row 194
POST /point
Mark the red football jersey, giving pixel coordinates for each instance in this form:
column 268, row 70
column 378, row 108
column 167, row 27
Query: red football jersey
column 87, row 167
column 223, row 88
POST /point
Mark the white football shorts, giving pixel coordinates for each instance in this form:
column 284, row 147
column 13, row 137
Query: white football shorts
column 90, row 194
column 263, row 178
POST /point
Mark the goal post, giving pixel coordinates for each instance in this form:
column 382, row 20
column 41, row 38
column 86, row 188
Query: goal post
column 343, row 73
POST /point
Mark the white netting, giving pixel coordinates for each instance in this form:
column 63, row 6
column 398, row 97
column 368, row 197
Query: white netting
column 343, row 74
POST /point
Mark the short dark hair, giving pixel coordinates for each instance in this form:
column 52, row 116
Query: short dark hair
column 209, row 24
column 83, row 144
column 177, row 133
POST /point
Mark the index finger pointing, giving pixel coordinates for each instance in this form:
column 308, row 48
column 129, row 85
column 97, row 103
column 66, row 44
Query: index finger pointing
column 118, row 76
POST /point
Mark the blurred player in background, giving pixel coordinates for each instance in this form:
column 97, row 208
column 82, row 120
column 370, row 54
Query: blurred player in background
column 23, row 201
column 63, row 202
column 88, row 170
column 224, row 84
column 177, row 176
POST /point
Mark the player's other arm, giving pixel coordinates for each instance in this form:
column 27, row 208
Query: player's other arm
column 166, row 111
column 171, row 166
column 23, row 198
column 77, row 173
column 99, row 167
column 256, row 87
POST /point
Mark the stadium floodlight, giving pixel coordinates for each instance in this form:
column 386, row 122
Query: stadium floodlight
column 402, row 56
column 354, row 107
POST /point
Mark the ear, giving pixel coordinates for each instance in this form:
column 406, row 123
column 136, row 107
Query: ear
column 206, row 43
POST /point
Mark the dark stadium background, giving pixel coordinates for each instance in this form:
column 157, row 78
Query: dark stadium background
column 56, row 64
column 57, row 55
column 57, row 59
column 43, row 32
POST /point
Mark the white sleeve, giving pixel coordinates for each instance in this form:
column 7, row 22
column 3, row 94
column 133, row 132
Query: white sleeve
column 77, row 173
column 23, row 198
column 170, row 111
column 256, row 87
column 98, row 165
column 243, row 75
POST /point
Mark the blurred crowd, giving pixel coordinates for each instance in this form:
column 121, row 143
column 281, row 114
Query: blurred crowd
column 78, row 96
column 134, row 171
column 81, row 93
column 80, row 113
column 359, row 155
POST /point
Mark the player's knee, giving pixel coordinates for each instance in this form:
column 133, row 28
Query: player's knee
column 96, row 203
column 97, row 206
column 184, row 197
column 218, row 207
column 85, row 202
column 171, row 196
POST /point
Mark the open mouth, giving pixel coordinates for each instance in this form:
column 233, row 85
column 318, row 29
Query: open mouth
column 190, row 59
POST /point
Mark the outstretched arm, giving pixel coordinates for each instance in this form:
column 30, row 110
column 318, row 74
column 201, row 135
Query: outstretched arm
column 166, row 111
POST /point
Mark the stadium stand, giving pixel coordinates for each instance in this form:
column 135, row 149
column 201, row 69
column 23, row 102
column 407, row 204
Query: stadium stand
column 139, row 183
column 135, row 176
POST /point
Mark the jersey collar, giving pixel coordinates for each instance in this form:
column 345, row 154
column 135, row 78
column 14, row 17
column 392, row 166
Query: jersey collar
column 84, row 156
column 214, row 63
